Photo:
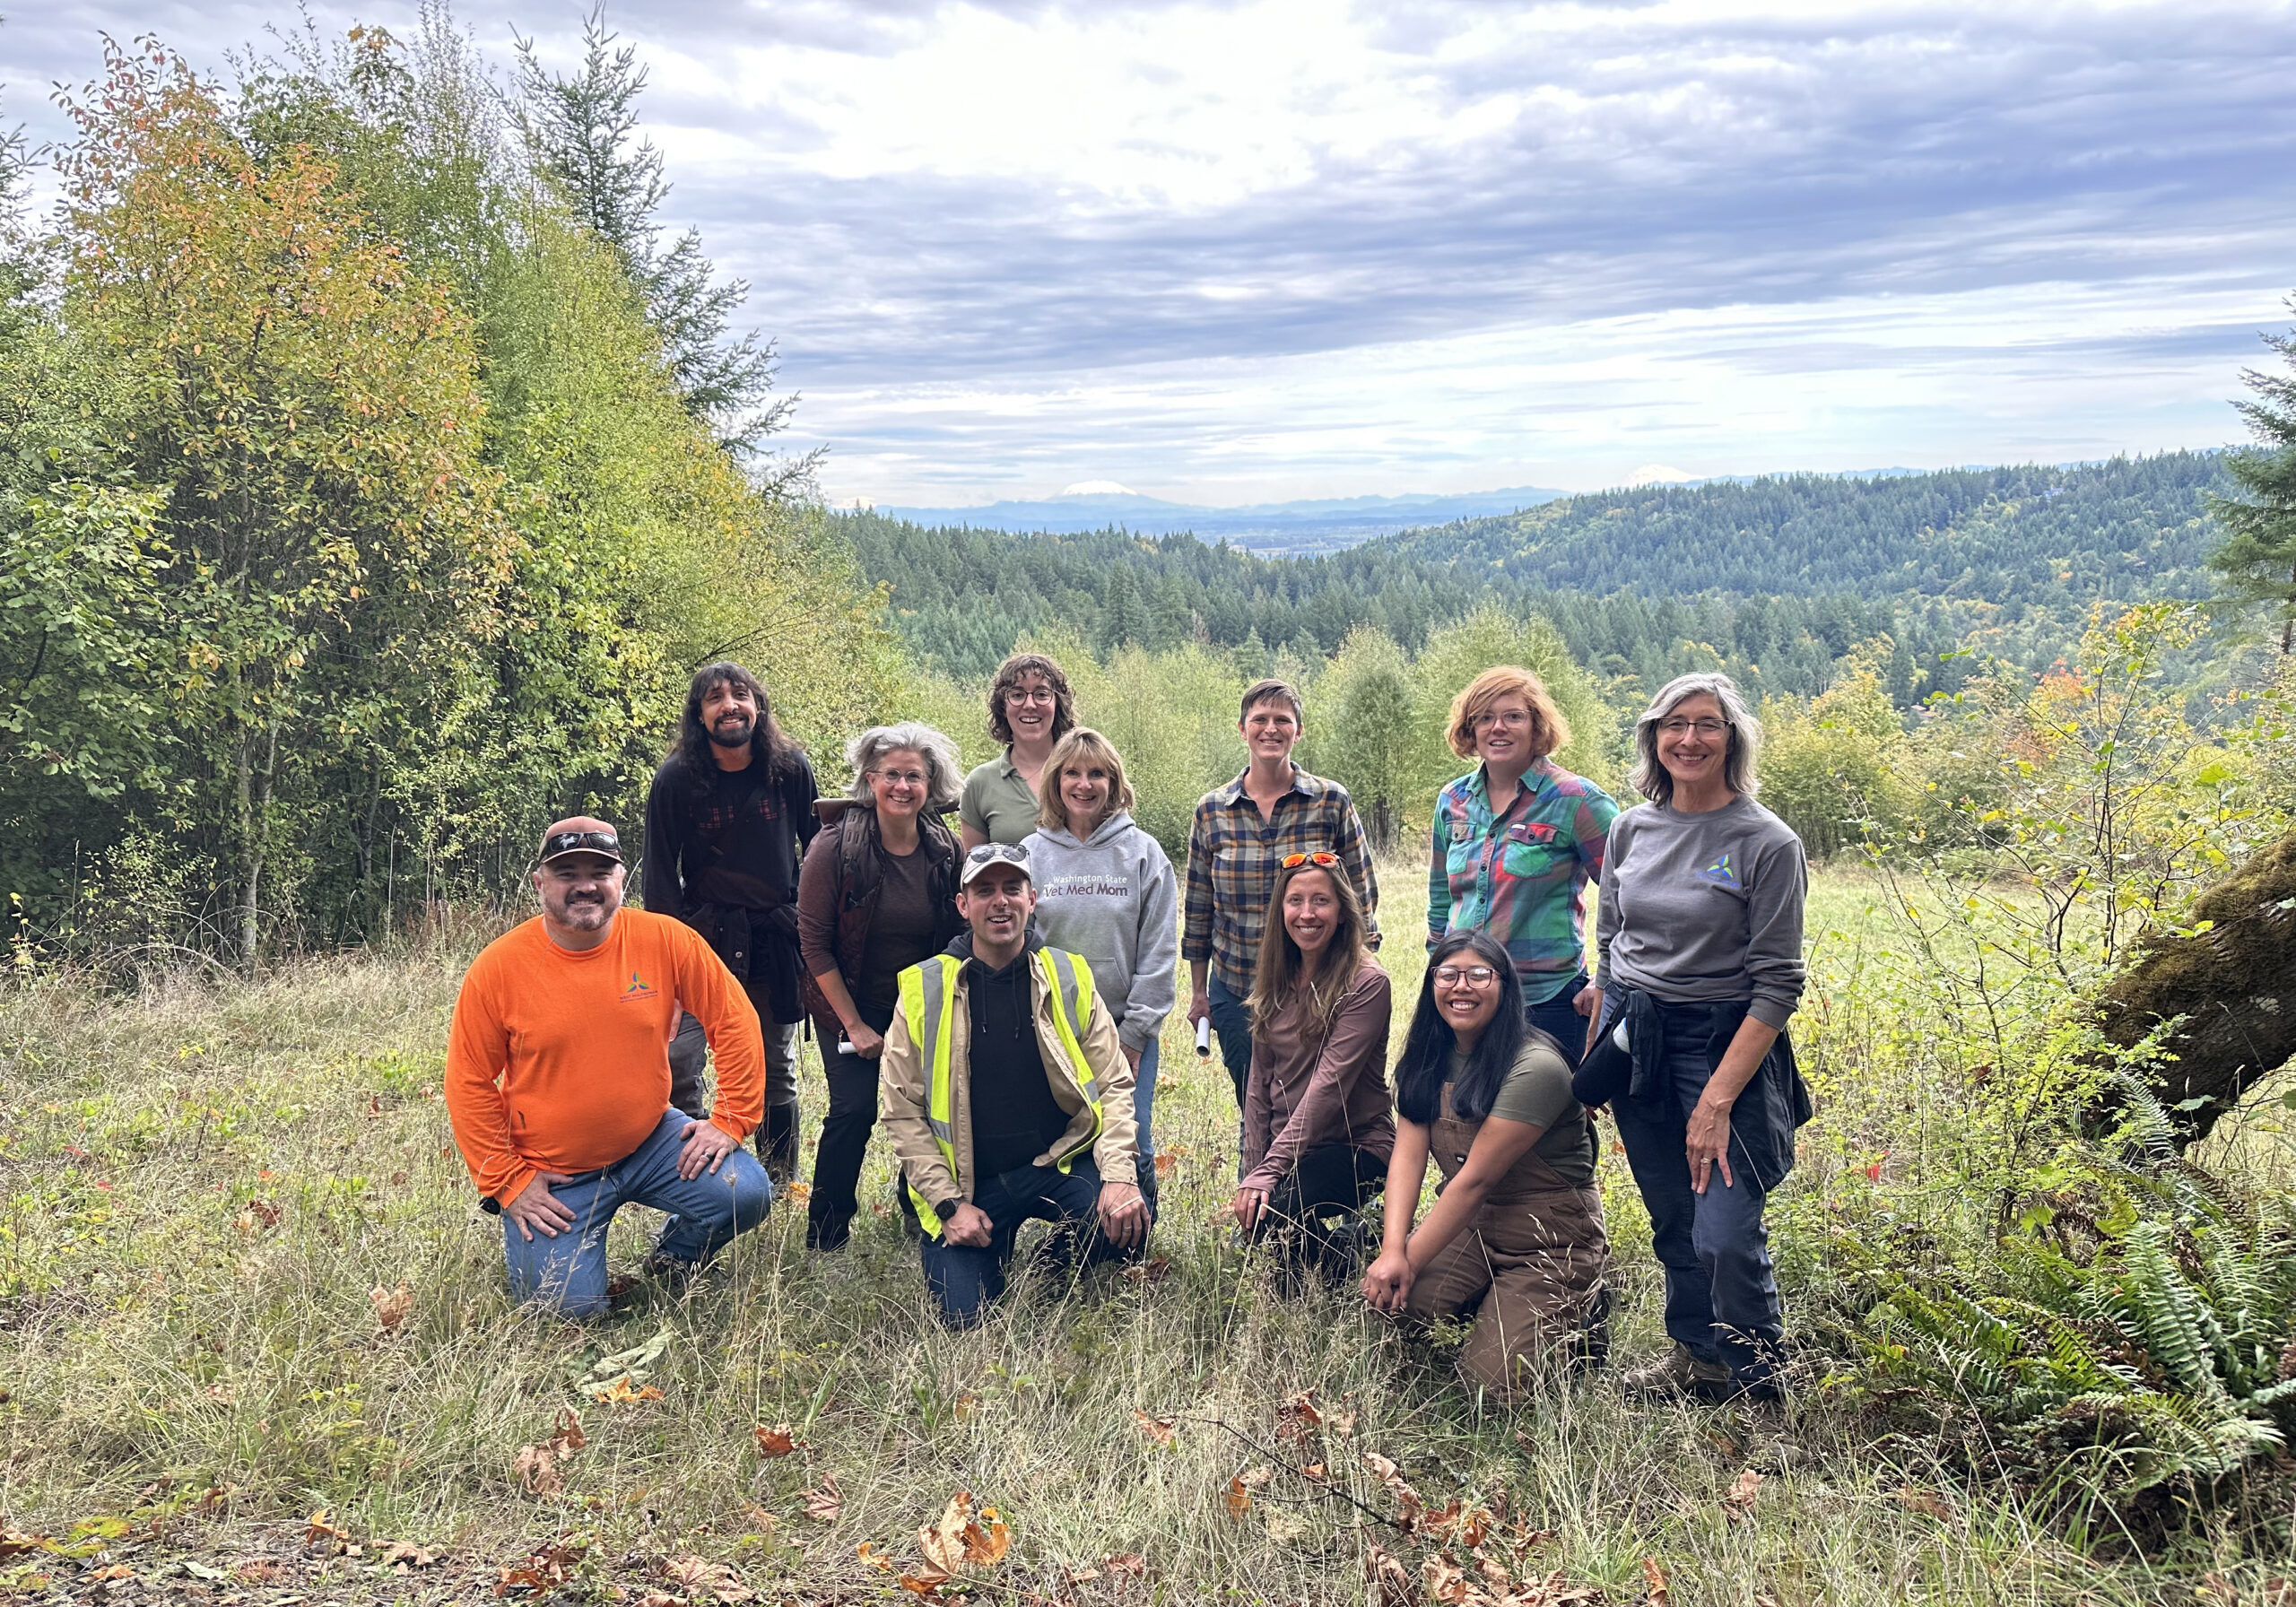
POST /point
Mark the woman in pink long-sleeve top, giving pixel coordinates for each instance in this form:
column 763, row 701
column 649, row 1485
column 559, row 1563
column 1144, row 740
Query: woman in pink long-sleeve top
column 1319, row 1120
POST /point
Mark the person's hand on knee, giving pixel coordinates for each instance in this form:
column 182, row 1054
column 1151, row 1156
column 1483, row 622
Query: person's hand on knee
column 1124, row 1215
column 537, row 1207
column 969, row 1225
column 704, row 1148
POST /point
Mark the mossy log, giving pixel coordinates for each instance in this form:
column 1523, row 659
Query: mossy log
column 2234, row 985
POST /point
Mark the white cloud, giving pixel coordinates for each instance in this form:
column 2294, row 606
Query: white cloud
column 1277, row 248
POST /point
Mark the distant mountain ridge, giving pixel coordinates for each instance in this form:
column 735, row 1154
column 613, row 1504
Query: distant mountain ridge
column 1308, row 525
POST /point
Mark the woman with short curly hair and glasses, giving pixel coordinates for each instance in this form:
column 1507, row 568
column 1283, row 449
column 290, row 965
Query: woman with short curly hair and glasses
column 1029, row 710
column 878, row 894
column 1517, row 839
column 1318, row 1125
column 1699, row 935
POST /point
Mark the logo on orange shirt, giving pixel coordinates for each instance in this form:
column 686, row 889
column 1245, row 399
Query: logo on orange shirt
column 637, row 989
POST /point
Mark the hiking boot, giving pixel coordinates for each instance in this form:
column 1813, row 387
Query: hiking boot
column 1681, row 1373
column 776, row 1143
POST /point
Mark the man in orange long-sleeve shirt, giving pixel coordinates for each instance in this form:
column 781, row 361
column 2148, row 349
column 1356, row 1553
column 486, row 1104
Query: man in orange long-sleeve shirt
column 558, row 1081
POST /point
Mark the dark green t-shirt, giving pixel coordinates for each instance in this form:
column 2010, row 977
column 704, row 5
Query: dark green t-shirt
column 1538, row 1090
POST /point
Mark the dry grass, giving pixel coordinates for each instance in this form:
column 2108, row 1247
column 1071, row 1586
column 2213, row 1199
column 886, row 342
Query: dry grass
column 159, row 1321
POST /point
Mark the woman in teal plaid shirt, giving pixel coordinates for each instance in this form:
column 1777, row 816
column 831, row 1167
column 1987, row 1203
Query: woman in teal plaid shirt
column 1517, row 840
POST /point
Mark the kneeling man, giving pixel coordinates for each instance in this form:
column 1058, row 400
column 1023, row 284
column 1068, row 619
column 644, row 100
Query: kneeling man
column 558, row 1081
column 1007, row 1095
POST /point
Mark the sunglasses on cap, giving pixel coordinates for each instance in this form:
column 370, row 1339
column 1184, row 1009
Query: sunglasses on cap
column 988, row 855
column 559, row 843
column 1323, row 857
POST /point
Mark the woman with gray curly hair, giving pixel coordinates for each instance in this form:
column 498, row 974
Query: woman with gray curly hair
column 878, row 894
column 1699, row 938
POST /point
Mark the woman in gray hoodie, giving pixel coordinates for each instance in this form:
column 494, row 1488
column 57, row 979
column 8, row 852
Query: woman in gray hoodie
column 1105, row 890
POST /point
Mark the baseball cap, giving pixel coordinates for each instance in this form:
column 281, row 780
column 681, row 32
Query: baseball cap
column 580, row 834
column 992, row 854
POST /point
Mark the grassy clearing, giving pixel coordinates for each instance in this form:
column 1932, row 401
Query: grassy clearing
column 204, row 1184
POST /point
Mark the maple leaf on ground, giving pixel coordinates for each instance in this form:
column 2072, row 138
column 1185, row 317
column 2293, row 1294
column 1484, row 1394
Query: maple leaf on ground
column 391, row 1305
column 1446, row 1582
column 407, row 1556
column 1409, row 1507
column 1162, row 1429
column 1298, row 1416
column 1238, row 1497
column 1390, row 1578
column 322, row 1527
column 692, row 1573
column 1168, row 1162
column 1738, row 1500
column 535, row 1466
column 823, row 1505
column 264, row 1211
column 796, row 1193
column 1655, row 1577
column 776, row 1441
column 621, row 1392
column 867, row 1551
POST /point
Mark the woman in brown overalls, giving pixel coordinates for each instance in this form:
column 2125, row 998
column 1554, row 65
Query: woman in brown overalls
column 1516, row 1233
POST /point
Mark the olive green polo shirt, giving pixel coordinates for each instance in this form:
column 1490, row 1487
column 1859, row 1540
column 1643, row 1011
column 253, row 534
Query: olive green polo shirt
column 997, row 802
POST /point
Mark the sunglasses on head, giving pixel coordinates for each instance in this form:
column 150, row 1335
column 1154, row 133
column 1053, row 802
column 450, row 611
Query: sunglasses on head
column 569, row 842
column 1324, row 858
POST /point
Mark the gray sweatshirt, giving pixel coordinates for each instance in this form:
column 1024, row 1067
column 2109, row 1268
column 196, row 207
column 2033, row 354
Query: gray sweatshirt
column 1115, row 900
column 1701, row 909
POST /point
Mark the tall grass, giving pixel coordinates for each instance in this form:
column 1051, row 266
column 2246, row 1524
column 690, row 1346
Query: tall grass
column 204, row 1182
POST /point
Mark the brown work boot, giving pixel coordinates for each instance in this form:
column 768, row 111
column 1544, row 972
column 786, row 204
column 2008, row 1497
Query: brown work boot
column 1680, row 1373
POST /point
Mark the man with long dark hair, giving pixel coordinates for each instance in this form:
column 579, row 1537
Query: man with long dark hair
column 727, row 824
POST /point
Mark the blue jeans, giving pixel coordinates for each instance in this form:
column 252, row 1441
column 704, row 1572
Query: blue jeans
column 1144, row 1095
column 1721, row 1294
column 962, row 1279
column 1232, row 1024
column 569, row 1271
column 1561, row 1021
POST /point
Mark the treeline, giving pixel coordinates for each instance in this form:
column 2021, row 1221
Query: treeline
column 1775, row 580
column 369, row 485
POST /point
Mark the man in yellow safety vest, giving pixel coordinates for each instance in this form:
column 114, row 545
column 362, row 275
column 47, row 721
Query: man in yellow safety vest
column 1007, row 1095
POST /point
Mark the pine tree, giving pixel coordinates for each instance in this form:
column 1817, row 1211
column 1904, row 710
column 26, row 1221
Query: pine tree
column 579, row 132
column 2258, row 557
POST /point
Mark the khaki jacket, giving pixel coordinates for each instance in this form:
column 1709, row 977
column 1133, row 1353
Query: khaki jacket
column 903, row 1073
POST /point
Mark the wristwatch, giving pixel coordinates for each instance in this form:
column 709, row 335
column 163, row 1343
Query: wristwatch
column 947, row 1208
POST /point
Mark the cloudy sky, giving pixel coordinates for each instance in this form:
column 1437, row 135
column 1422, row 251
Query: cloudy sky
column 1248, row 251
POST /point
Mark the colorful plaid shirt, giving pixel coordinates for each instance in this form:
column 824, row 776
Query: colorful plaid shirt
column 1521, row 876
column 1234, row 854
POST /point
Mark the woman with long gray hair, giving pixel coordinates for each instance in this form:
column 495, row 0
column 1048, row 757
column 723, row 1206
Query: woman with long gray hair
column 878, row 894
column 1699, row 936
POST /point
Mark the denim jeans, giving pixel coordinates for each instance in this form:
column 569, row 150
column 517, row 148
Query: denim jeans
column 1232, row 1024
column 963, row 1278
column 1144, row 1095
column 1721, row 1294
column 1559, row 1020
column 569, row 1271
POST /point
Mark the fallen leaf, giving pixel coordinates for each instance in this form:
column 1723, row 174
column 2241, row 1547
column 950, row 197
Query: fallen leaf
column 1314, row 1470
column 544, row 1569
column 1447, row 1581
column 1154, row 1270
column 1238, row 1499
column 1390, row 1578
column 1256, row 1478
column 692, row 1573
column 407, row 1555
column 321, row 1527
column 15, row 1542
column 1168, row 1162
column 622, row 1393
column 1342, row 1423
column 965, row 1405
column 261, row 1571
column 1297, row 1418
column 1923, row 1501
column 776, row 1441
column 796, row 1193
column 535, row 1466
column 823, row 1505
column 264, row 1211
column 1125, row 1562
column 867, row 1551
column 1162, row 1429
column 1655, row 1577
column 391, row 1305
column 1738, row 1500
column 1409, row 1507
column 959, row 1540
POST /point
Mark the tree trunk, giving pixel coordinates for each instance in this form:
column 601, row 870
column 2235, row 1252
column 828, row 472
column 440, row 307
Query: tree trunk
column 2234, row 983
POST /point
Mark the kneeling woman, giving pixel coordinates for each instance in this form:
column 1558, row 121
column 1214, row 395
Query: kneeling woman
column 1318, row 1122
column 1516, row 1235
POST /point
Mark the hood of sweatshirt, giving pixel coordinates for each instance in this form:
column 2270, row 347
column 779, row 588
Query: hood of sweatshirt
column 1106, row 833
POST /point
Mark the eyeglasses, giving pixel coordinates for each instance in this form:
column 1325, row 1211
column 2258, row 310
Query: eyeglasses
column 1324, row 858
column 1709, row 728
column 899, row 777
column 1451, row 976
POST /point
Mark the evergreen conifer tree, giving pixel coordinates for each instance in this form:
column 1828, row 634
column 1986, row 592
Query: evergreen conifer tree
column 2257, row 558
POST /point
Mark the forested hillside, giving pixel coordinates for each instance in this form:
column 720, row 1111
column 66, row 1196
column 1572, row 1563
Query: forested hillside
column 1775, row 578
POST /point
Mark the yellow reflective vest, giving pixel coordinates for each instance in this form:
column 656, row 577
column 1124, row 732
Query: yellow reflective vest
column 926, row 989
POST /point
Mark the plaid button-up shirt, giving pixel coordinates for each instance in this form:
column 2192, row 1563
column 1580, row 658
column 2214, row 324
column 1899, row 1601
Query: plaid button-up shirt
column 1521, row 876
column 1234, row 854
